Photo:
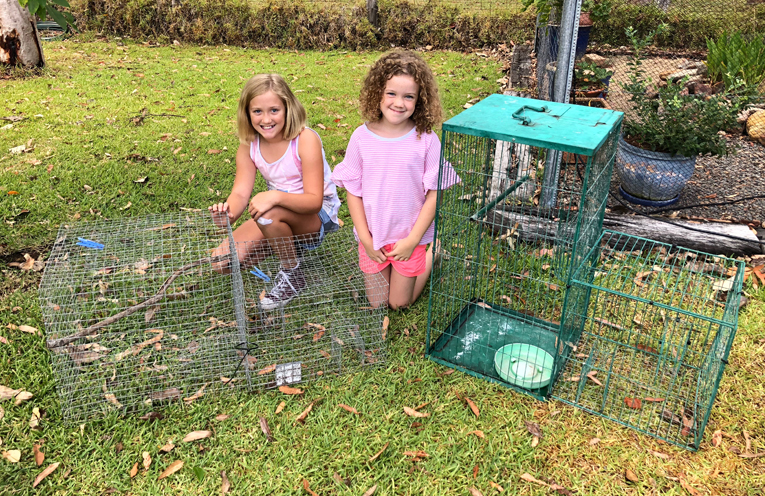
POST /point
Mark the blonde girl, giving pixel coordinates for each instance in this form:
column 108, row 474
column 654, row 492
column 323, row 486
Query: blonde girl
column 390, row 172
column 301, row 198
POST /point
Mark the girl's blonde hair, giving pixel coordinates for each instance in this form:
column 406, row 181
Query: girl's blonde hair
column 294, row 112
column 427, row 112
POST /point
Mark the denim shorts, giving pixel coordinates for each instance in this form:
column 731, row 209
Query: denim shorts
column 327, row 226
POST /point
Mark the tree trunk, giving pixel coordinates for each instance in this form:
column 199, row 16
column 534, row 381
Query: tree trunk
column 19, row 40
column 538, row 229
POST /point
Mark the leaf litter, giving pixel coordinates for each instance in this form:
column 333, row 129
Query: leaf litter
column 45, row 473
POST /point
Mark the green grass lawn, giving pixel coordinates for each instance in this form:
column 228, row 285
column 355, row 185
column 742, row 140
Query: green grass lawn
column 112, row 130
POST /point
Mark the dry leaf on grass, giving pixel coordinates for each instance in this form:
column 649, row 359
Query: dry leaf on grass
column 28, row 329
column 39, row 455
column 13, row 456
column 473, row 407
column 318, row 336
column 474, row 492
column 301, row 418
column 654, row 400
column 752, row 455
column 477, row 433
column 22, row 397
column 111, row 398
column 497, row 486
column 475, row 472
column 196, row 395
column 7, row 393
column 594, row 441
column 290, row 390
column 146, row 460
column 45, row 473
column 34, row 421
column 659, row 454
column 134, row 470
column 534, row 429
column 280, row 408
column 266, row 430
column 225, row 485
column 167, row 448
column 691, row 490
column 530, row 478
column 386, row 323
column 633, row 403
column 171, row 469
column 717, row 438
column 196, row 436
column 414, row 413
column 631, row 476
column 348, row 408
column 416, row 454
column 222, row 417
column 377, row 455
column 308, row 489
column 591, row 376
column 268, row 369
column 370, row 491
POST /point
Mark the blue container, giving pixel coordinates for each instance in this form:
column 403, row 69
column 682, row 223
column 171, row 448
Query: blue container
column 582, row 40
column 649, row 175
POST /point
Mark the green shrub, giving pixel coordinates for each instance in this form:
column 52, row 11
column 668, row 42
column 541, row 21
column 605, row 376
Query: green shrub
column 736, row 61
column 673, row 121
column 686, row 28
column 302, row 25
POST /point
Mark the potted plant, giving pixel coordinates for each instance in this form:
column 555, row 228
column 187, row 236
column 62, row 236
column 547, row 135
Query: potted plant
column 665, row 131
column 591, row 80
column 592, row 11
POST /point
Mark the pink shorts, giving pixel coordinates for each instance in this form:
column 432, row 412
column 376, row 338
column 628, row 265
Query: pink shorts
column 410, row 268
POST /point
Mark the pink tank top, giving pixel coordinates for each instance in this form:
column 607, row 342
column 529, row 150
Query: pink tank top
column 286, row 174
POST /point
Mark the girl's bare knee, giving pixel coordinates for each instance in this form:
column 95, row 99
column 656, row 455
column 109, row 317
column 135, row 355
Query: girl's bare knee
column 398, row 305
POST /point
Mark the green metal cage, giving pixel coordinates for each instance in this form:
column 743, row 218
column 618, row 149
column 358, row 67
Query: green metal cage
column 649, row 330
column 529, row 291
column 534, row 177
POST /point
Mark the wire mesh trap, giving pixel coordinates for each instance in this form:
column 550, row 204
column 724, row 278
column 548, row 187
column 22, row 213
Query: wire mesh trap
column 530, row 205
column 647, row 331
column 136, row 314
column 328, row 328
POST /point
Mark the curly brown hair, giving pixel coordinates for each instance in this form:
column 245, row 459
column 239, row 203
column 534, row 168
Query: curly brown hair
column 427, row 112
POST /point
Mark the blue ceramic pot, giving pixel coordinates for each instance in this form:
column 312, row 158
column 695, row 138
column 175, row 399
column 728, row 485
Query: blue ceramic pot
column 649, row 175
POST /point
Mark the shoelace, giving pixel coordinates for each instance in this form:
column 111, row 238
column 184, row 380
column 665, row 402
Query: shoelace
column 283, row 280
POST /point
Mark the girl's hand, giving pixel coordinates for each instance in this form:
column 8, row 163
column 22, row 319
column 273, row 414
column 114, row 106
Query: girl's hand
column 262, row 203
column 374, row 255
column 220, row 212
column 403, row 249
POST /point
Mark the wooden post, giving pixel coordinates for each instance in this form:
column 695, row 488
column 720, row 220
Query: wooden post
column 372, row 11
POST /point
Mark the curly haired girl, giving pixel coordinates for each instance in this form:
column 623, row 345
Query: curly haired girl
column 390, row 173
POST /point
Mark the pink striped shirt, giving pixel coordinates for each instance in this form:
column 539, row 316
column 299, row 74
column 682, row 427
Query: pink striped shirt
column 392, row 176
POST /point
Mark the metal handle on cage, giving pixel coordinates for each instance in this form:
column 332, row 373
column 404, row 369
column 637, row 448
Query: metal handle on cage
column 525, row 120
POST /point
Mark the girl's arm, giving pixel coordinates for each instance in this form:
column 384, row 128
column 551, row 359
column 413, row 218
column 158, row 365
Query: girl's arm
column 243, row 183
column 404, row 248
column 310, row 202
column 356, row 208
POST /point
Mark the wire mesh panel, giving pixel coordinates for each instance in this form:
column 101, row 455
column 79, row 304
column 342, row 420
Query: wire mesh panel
column 328, row 325
column 510, row 232
column 651, row 327
column 138, row 312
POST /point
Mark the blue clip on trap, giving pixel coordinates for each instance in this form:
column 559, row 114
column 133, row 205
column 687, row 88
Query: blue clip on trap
column 89, row 244
column 259, row 273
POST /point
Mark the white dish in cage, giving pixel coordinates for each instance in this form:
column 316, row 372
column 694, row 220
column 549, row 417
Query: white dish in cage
column 524, row 365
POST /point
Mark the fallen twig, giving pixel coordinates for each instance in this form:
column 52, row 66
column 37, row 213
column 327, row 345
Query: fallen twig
column 56, row 343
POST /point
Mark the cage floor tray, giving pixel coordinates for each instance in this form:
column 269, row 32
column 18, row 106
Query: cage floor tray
column 473, row 338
